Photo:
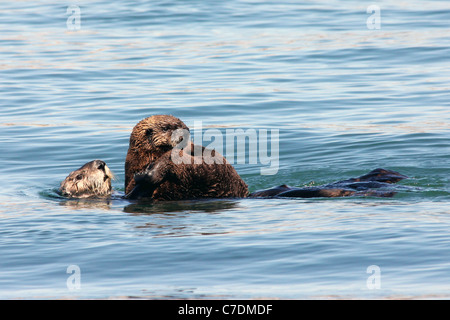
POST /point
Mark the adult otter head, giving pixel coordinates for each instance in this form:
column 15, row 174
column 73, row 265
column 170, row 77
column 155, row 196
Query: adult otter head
column 150, row 139
column 91, row 180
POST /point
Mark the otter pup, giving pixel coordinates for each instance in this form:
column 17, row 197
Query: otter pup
column 152, row 141
column 91, row 180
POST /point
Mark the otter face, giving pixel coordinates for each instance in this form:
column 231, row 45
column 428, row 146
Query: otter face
column 91, row 180
column 149, row 140
column 158, row 134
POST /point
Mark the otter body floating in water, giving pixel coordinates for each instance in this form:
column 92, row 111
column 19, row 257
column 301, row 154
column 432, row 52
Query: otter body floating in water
column 151, row 173
column 91, row 180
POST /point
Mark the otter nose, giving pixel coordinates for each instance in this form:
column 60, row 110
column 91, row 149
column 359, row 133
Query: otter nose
column 65, row 192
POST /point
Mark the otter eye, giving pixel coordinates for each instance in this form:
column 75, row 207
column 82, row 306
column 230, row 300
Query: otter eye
column 79, row 177
column 148, row 132
column 101, row 167
column 165, row 129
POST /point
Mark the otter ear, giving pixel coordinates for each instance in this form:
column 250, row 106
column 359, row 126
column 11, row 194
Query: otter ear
column 148, row 132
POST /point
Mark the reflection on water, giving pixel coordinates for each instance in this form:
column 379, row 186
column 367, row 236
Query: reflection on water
column 167, row 207
column 174, row 218
column 102, row 204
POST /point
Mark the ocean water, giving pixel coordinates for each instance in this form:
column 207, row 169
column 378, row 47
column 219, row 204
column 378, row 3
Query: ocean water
column 346, row 91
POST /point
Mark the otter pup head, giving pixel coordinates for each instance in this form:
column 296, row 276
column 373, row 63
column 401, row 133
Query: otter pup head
column 91, row 180
column 150, row 139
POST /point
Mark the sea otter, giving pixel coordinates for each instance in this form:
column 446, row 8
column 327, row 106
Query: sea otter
column 91, row 180
column 161, row 165
column 153, row 144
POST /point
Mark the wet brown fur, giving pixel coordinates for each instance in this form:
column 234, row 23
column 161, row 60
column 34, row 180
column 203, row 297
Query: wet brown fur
column 192, row 177
column 151, row 143
column 91, row 180
column 149, row 139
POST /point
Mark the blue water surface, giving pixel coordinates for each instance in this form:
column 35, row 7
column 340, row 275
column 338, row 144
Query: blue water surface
column 347, row 94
